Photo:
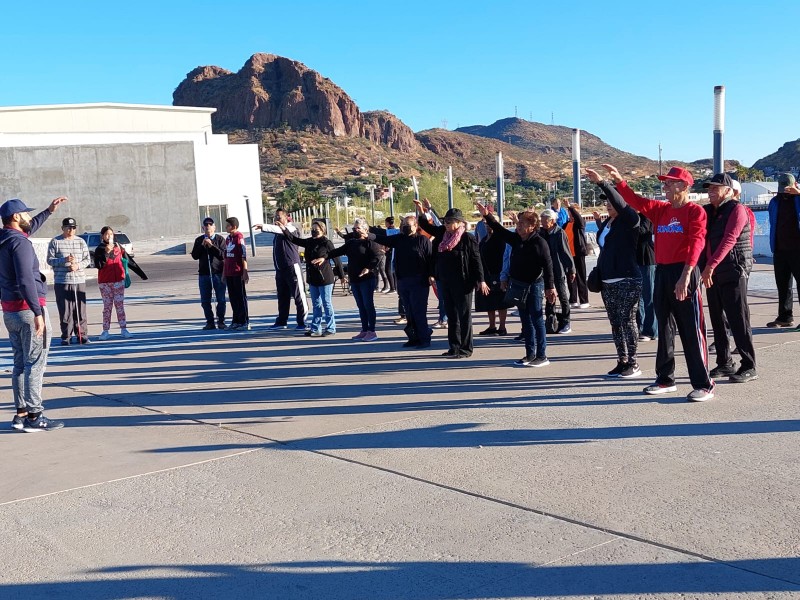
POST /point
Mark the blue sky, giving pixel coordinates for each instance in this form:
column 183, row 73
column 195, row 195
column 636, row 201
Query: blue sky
column 633, row 73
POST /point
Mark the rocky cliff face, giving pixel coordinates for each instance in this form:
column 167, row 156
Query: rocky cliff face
column 786, row 158
column 384, row 128
column 269, row 92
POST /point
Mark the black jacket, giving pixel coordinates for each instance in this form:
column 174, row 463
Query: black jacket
column 530, row 259
column 459, row 269
column 560, row 254
column 578, row 231
column 645, row 250
column 318, row 248
column 361, row 254
column 215, row 254
column 618, row 254
column 413, row 255
column 100, row 260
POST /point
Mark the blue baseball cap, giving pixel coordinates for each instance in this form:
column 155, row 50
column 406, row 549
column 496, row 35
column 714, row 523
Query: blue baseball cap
column 12, row 207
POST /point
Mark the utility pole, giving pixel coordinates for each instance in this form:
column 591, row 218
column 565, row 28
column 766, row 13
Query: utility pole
column 660, row 171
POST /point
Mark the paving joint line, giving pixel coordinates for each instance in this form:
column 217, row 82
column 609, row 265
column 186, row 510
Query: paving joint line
column 297, row 445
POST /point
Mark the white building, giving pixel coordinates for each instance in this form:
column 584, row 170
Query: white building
column 758, row 192
column 152, row 171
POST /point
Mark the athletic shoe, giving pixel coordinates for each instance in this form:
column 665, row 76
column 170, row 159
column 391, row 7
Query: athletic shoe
column 126, row 334
column 631, row 370
column 723, row 371
column 701, row 394
column 209, row 326
column 400, row 321
column 370, row 336
column 328, row 333
column 565, row 329
column 439, row 325
column 300, row 328
column 524, row 362
column 233, row 327
column 743, row 376
column 277, row 327
column 411, row 344
column 539, row 362
column 502, row 331
column 659, row 388
column 220, row 323
column 65, row 342
column 780, row 323
column 617, row 371
column 84, row 341
column 448, row 354
column 104, row 336
column 574, row 304
column 359, row 337
column 645, row 338
column 307, row 333
column 488, row 331
column 42, row 423
column 315, row 333
column 18, row 422
column 585, row 305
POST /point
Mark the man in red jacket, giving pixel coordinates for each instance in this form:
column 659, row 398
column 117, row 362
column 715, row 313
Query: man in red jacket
column 680, row 236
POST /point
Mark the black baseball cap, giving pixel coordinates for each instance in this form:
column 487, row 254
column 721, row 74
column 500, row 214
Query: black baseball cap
column 208, row 221
column 69, row 222
column 719, row 179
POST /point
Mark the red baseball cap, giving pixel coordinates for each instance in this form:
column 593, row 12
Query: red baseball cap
column 678, row 174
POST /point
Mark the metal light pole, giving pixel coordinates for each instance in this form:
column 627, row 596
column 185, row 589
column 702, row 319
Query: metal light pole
column 449, row 187
column 372, row 201
column 391, row 200
column 576, row 167
column 501, row 187
column 719, row 127
column 250, row 225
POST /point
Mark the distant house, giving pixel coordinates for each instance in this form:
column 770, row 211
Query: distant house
column 758, row 192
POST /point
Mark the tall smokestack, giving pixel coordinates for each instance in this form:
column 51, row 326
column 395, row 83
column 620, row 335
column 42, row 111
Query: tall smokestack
column 719, row 127
column 576, row 167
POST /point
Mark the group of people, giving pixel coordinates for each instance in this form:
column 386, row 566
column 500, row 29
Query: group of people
column 23, row 292
column 652, row 252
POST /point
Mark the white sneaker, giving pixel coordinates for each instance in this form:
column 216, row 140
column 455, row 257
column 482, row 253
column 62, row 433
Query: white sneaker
column 104, row 336
column 585, row 305
column 126, row 333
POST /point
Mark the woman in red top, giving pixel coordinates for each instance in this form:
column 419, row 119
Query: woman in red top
column 111, row 280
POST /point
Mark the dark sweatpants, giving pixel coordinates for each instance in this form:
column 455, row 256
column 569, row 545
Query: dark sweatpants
column 458, row 308
column 730, row 299
column 237, row 295
column 578, row 290
column 289, row 285
column 690, row 323
column 72, row 317
column 413, row 293
column 786, row 265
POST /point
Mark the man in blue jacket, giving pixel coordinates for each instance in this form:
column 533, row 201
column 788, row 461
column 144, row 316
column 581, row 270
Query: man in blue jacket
column 22, row 295
column 784, row 241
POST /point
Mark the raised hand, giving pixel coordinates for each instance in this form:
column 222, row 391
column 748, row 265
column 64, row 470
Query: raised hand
column 613, row 173
column 482, row 209
column 427, row 204
column 55, row 203
column 594, row 176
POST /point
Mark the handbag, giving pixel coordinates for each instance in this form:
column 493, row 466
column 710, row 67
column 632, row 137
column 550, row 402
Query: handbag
column 551, row 318
column 125, row 268
column 517, row 292
column 595, row 281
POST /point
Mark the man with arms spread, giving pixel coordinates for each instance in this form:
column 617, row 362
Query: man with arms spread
column 23, row 291
column 680, row 236
column 68, row 255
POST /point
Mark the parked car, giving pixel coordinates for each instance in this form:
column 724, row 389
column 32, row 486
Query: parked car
column 92, row 239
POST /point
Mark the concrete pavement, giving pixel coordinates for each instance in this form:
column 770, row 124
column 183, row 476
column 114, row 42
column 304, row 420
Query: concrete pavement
column 270, row 465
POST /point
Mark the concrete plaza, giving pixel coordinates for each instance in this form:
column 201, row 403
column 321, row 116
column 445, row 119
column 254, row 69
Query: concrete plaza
column 271, row 465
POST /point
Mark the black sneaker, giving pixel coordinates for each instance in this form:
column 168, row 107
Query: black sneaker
column 502, row 331
column 780, row 323
column 18, row 422
column 723, row 371
column 539, row 362
column 221, row 324
column 631, row 370
column 209, row 326
column 617, row 371
column 41, row 423
column 411, row 344
column 489, row 331
column 524, row 362
column 65, row 342
column 84, row 340
column 743, row 376
column 328, row 333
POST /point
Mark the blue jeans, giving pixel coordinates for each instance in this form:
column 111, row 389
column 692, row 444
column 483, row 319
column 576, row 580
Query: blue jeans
column 532, row 317
column 646, row 318
column 363, row 292
column 215, row 283
column 321, row 303
column 30, row 358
